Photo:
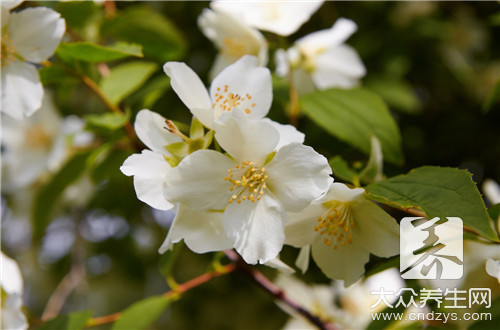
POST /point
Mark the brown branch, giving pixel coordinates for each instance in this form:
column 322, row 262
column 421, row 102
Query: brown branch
column 294, row 100
column 275, row 291
column 179, row 290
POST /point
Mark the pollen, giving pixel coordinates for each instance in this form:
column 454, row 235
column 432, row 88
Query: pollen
column 7, row 51
column 227, row 100
column 248, row 182
column 336, row 224
column 235, row 47
column 37, row 138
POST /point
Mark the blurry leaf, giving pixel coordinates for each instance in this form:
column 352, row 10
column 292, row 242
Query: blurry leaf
column 108, row 120
column 494, row 19
column 124, row 79
column 72, row 321
column 76, row 13
column 342, row 170
column 355, row 115
column 93, row 53
column 397, row 93
column 160, row 39
column 142, row 313
column 493, row 97
column 147, row 96
column 55, row 74
column 439, row 192
column 49, row 194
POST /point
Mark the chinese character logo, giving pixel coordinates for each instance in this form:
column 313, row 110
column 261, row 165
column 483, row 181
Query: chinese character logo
column 431, row 249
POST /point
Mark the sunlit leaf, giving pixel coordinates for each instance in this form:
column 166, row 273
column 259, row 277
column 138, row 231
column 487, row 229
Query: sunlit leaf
column 108, row 120
column 93, row 53
column 354, row 116
column 439, row 192
column 341, row 170
column 124, row 79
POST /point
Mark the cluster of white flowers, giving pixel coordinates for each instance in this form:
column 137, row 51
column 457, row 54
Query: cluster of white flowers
column 29, row 37
column 261, row 187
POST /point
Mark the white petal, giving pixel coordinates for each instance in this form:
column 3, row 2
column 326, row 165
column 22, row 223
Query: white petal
column 493, row 268
column 336, row 35
column 288, row 133
column 302, row 261
column 377, row 231
column 232, row 37
column 11, row 280
column 300, row 230
column 150, row 128
column 245, row 139
column 276, row 263
column 149, row 170
column 12, row 315
column 202, row 231
column 256, row 229
column 282, row 62
column 198, row 181
column 244, row 79
column 342, row 193
column 36, row 32
column 338, row 67
column 283, row 18
column 191, row 90
column 346, row 263
column 22, row 91
column 491, row 190
column 9, row 4
column 298, row 175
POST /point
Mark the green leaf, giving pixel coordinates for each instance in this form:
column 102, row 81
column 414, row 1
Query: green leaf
column 439, row 192
column 493, row 97
column 126, row 78
column 147, row 96
column 49, row 194
column 342, row 170
column 142, row 313
column 355, row 115
column 72, row 321
column 93, row 53
column 55, row 74
column 397, row 93
column 160, row 39
column 108, row 120
column 494, row 212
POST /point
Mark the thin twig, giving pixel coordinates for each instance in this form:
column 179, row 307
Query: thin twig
column 275, row 291
column 179, row 290
column 294, row 100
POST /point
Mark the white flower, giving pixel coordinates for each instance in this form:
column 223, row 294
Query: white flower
column 242, row 85
column 323, row 59
column 28, row 36
column 344, row 227
column 150, row 167
column 11, row 282
column 280, row 17
column 253, row 190
column 493, row 268
column 233, row 39
column 354, row 303
column 39, row 144
column 491, row 190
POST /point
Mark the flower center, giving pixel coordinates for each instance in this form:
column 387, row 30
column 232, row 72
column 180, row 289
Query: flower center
column 248, row 182
column 227, row 101
column 234, row 47
column 336, row 224
column 37, row 137
column 7, row 50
